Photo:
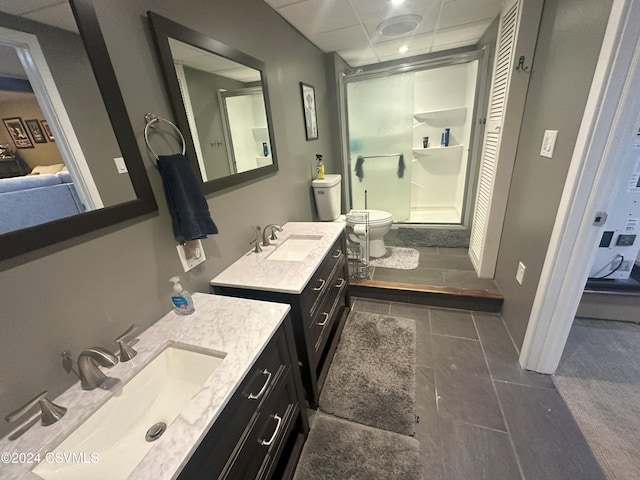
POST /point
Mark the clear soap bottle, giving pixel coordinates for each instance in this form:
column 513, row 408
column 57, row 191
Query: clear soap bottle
column 181, row 299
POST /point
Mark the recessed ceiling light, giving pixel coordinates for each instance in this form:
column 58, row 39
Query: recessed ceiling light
column 397, row 2
column 403, row 49
column 400, row 25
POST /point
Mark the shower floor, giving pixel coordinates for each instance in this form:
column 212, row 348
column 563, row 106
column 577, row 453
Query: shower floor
column 448, row 215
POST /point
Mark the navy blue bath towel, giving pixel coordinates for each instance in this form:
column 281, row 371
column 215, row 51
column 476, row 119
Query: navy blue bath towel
column 189, row 211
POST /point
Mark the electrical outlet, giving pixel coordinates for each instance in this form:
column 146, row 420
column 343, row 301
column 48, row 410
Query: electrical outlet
column 191, row 254
column 121, row 167
column 520, row 273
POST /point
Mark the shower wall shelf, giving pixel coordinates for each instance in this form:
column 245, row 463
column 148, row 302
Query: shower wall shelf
column 452, row 151
column 454, row 116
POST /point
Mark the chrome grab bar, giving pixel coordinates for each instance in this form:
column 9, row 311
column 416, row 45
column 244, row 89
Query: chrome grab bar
column 264, row 387
column 267, row 443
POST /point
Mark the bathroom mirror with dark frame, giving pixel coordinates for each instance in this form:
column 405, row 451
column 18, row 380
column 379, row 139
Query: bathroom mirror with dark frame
column 138, row 198
column 220, row 96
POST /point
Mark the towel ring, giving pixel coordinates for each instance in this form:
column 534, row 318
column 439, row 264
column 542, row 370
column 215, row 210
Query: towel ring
column 151, row 120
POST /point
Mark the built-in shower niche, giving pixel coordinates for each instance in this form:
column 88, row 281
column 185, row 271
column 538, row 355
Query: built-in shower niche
column 444, row 98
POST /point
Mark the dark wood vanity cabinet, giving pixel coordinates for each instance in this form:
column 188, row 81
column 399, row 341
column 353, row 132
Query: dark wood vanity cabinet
column 261, row 431
column 318, row 314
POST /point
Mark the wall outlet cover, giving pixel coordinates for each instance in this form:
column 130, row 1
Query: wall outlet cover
column 520, row 273
column 191, row 254
column 548, row 143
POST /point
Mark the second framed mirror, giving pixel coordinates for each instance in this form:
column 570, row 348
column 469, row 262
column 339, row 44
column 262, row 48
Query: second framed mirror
column 220, row 100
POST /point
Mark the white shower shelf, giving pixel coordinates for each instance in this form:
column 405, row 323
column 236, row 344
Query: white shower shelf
column 453, row 116
column 439, row 152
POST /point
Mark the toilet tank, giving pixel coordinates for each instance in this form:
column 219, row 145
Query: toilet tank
column 327, row 195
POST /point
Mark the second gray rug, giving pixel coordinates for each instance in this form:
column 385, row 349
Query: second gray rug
column 372, row 379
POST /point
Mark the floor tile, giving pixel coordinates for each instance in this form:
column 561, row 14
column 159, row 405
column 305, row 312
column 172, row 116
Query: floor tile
column 427, row 251
column 427, row 427
column 453, row 324
column 547, row 439
column 453, row 251
column 418, row 275
column 448, row 262
column 502, row 356
column 370, row 305
column 424, row 354
column 470, row 453
column 464, row 388
column 461, row 279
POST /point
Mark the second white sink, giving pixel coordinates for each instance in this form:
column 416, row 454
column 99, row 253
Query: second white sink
column 115, row 433
column 295, row 248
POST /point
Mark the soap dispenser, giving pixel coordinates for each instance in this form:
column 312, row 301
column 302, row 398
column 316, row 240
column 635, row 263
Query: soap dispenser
column 181, row 299
column 319, row 167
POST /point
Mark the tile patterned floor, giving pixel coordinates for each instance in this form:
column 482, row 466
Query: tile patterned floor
column 438, row 266
column 481, row 415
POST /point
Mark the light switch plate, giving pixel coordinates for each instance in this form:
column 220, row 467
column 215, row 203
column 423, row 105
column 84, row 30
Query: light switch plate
column 520, row 273
column 548, row 143
column 121, row 167
column 191, row 254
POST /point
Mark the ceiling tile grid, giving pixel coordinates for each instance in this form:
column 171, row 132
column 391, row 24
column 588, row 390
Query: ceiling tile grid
column 351, row 27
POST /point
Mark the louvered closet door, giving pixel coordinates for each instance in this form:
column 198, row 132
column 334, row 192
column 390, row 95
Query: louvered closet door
column 519, row 22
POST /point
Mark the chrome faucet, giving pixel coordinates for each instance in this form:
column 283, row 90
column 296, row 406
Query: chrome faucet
column 90, row 375
column 273, row 227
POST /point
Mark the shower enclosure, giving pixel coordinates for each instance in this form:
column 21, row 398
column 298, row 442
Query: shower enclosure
column 410, row 135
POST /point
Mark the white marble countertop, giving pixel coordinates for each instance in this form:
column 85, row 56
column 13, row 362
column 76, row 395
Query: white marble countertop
column 239, row 327
column 256, row 271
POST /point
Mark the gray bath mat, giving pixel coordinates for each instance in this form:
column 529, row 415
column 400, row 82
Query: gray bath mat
column 399, row 258
column 338, row 450
column 372, row 379
column 426, row 237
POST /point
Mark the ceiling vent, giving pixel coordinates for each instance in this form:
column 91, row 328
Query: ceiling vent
column 400, row 25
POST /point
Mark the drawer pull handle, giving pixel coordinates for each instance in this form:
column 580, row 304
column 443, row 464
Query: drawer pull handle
column 264, row 387
column 322, row 282
column 266, row 443
column 341, row 282
column 326, row 318
column 337, row 254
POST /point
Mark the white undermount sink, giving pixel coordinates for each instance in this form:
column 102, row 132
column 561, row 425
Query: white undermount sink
column 115, row 433
column 295, row 248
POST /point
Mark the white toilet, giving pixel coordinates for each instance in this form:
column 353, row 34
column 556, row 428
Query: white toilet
column 327, row 195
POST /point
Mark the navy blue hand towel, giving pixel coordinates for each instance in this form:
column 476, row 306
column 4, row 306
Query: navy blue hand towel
column 189, row 211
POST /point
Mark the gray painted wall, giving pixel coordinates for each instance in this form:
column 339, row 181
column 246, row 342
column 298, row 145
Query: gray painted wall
column 569, row 42
column 86, row 293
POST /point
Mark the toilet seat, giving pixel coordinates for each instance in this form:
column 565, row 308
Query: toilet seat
column 376, row 217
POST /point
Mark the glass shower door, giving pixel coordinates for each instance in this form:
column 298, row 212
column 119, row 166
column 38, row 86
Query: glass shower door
column 380, row 129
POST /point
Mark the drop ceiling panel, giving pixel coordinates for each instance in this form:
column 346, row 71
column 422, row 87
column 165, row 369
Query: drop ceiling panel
column 464, row 35
column 281, row 3
column 382, row 9
column 417, row 45
column 335, row 40
column 359, row 56
column 461, row 12
column 318, row 16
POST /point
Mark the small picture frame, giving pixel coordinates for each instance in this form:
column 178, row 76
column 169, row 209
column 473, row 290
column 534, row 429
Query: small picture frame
column 47, row 130
column 309, row 110
column 17, row 132
column 36, row 131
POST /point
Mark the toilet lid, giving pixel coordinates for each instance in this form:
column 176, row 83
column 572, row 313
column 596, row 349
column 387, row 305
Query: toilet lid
column 375, row 216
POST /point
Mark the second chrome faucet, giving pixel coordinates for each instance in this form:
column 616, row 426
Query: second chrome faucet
column 273, row 227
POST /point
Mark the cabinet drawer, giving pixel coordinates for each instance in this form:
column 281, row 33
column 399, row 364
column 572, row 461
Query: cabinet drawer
column 319, row 283
column 263, row 379
column 322, row 322
column 262, row 445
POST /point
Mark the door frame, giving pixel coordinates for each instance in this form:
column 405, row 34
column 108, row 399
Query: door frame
column 594, row 172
